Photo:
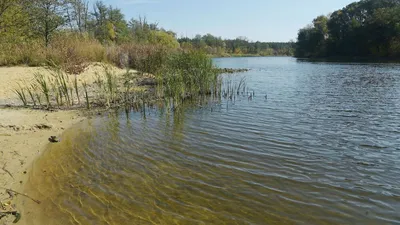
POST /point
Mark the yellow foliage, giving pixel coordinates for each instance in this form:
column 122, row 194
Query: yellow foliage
column 164, row 39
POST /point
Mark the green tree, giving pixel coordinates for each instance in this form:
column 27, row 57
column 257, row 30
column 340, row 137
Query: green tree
column 78, row 14
column 368, row 28
column 108, row 24
column 163, row 38
column 47, row 17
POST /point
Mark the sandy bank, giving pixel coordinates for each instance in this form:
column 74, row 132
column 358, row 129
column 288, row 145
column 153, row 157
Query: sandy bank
column 24, row 135
column 10, row 77
column 24, row 132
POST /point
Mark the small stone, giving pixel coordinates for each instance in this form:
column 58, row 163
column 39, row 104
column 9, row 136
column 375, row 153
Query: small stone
column 54, row 139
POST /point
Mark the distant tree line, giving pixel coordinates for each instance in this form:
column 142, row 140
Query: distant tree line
column 34, row 32
column 24, row 20
column 368, row 28
column 239, row 46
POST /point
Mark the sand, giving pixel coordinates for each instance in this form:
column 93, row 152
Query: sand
column 24, row 132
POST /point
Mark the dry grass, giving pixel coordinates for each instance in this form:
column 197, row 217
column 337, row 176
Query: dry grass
column 144, row 58
column 72, row 52
column 24, row 53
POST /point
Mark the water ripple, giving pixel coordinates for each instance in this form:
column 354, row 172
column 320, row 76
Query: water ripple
column 323, row 149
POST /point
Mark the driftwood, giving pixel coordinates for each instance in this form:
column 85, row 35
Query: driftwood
column 5, row 170
column 10, row 191
column 14, row 213
column 5, row 211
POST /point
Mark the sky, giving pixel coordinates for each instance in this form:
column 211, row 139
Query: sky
column 258, row 20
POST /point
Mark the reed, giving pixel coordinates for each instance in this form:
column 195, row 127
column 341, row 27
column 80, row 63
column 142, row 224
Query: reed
column 128, row 83
column 85, row 89
column 31, row 92
column 179, row 75
column 111, row 86
column 76, row 89
column 242, row 84
column 38, row 98
column 62, row 83
column 187, row 75
column 20, row 91
column 43, row 87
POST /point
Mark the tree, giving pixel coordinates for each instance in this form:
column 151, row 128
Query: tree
column 78, row 14
column 108, row 24
column 163, row 38
column 13, row 17
column 368, row 28
column 47, row 17
column 217, row 46
column 140, row 29
column 4, row 6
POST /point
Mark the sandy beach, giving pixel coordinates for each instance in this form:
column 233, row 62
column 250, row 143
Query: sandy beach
column 24, row 132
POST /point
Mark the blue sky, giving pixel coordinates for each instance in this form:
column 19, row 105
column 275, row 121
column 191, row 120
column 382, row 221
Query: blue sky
column 262, row 20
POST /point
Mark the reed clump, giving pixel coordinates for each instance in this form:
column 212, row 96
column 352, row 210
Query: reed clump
column 177, row 76
column 187, row 75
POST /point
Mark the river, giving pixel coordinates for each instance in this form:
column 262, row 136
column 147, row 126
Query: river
column 319, row 143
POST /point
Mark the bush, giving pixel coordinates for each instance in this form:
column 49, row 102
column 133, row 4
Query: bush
column 70, row 51
column 26, row 53
column 142, row 57
column 74, row 51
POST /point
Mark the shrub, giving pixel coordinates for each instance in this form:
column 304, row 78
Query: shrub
column 74, row 51
column 142, row 57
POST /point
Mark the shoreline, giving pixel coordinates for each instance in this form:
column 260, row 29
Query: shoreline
column 247, row 56
column 24, row 133
column 24, row 137
column 344, row 59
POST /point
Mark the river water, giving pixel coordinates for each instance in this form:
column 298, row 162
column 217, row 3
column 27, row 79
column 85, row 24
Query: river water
column 319, row 143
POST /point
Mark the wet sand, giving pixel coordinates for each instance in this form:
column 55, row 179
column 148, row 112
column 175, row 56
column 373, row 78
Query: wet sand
column 24, row 135
column 24, row 132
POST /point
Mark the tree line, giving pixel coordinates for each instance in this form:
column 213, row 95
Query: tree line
column 364, row 29
column 27, row 20
column 41, row 21
column 239, row 46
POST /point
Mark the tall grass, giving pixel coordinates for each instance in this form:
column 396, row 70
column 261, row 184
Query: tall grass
column 76, row 89
column 111, row 86
column 62, row 84
column 44, row 87
column 20, row 91
column 85, row 88
column 179, row 75
column 31, row 89
column 29, row 53
column 141, row 57
column 71, row 51
column 187, row 75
